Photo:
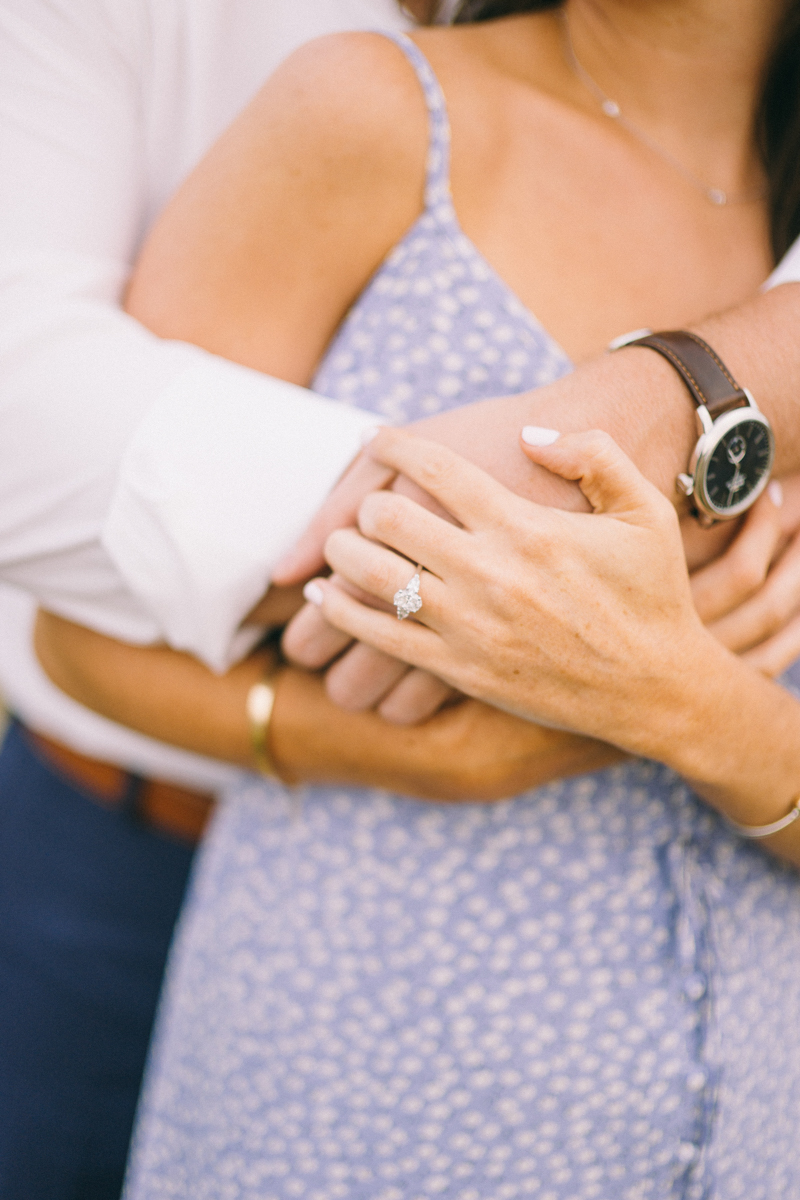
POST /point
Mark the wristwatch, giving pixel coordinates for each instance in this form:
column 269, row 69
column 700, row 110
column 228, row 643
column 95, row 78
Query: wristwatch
column 732, row 461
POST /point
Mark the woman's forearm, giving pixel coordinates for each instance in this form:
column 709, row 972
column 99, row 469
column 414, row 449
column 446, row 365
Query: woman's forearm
column 735, row 735
column 467, row 752
column 152, row 689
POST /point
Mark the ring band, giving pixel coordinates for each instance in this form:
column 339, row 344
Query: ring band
column 407, row 600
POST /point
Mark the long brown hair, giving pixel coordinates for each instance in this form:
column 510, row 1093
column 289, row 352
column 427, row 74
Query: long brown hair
column 777, row 119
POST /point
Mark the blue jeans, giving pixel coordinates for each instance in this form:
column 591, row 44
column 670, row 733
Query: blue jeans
column 88, row 901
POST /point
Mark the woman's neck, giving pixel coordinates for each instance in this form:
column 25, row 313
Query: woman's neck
column 686, row 72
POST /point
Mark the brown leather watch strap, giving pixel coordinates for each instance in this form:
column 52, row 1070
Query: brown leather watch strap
column 708, row 379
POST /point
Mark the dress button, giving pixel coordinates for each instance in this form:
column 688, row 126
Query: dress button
column 686, row 1152
column 694, row 987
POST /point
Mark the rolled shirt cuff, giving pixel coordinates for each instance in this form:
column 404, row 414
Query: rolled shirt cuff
column 221, row 477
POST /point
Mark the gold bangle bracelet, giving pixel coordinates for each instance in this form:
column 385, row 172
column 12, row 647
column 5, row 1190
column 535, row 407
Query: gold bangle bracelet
column 759, row 831
column 258, row 706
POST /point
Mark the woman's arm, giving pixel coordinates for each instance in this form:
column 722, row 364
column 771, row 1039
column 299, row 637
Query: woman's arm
column 582, row 621
column 749, row 604
column 469, row 751
column 257, row 258
column 262, row 250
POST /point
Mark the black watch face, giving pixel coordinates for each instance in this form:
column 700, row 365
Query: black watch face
column 739, row 463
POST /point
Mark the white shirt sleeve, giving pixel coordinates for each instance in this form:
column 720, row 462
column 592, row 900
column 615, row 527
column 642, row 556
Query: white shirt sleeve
column 221, row 477
column 218, row 470
column 787, row 270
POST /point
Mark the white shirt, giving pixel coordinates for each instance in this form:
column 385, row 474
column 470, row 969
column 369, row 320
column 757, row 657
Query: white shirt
column 146, row 487
column 787, row 270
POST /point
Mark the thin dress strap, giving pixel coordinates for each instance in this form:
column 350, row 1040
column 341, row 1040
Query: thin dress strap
column 437, row 176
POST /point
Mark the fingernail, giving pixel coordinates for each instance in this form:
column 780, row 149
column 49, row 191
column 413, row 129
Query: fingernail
column 369, row 434
column 535, row 435
column 776, row 493
column 313, row 593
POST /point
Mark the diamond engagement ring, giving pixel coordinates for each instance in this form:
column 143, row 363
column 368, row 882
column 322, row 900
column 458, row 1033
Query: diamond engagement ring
column 407, row 600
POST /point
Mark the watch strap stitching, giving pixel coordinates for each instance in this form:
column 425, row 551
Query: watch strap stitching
column 705, row 346
column 716, row 405
column 680, row 366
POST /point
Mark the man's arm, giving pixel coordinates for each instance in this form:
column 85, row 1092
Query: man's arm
column 648, row 404
column 633, row 394
column 182, row 546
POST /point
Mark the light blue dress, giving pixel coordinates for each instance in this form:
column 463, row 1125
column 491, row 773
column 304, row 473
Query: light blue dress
column 588, row 992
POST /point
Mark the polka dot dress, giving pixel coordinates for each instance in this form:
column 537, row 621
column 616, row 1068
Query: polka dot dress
column 588, row 992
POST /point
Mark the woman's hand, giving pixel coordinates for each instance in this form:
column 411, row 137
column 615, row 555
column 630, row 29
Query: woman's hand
column 748, row 597
column 363, row 678
column 359, row 677
column 575, row 620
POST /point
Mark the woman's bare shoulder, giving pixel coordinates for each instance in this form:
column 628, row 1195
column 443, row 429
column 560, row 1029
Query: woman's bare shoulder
column 349, row 97
column 280, row 226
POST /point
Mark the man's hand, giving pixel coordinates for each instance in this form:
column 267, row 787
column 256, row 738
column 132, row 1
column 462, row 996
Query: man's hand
column 750, row 596
column 339, row 510
column 614, row 393
column 277, row 607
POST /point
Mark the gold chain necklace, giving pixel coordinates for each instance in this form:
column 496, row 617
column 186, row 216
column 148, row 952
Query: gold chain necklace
column 714, row 195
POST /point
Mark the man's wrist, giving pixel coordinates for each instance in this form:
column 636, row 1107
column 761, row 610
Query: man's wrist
column 633, row 394
column 636, row 397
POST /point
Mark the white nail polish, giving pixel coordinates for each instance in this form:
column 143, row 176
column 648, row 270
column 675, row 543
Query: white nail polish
column 536, row 435
column 776, row 493
column 369, row 434
column 313, row 593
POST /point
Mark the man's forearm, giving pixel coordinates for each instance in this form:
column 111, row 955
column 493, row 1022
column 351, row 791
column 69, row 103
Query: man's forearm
column 760, row 342
column 634, row 395
column 639, row 398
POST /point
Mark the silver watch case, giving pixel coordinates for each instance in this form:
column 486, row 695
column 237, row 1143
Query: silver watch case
column 693, row 483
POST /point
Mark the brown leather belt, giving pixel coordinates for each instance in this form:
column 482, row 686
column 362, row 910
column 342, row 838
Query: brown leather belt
column 176, row 811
